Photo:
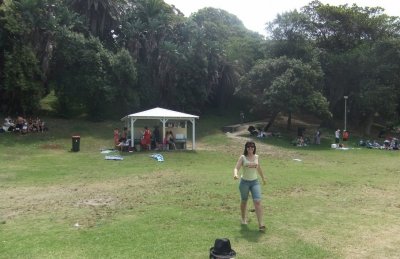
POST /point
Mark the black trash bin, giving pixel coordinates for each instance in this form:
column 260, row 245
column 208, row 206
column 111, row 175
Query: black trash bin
column 76, row 140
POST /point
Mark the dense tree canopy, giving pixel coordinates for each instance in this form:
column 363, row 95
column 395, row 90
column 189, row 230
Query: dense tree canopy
column 285, row 85
column 345, row 40
column 105, row 58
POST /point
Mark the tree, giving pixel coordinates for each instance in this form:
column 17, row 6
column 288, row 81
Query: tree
column 379, row 84
column 343, row 38
column 285, row 85
column 125, row 97
column 80, row 75
column 290, row 37
column 343, row 33
column 22, row 89
column 101, row 16
column 222, row 36
column 27, row 27
column 147, row 32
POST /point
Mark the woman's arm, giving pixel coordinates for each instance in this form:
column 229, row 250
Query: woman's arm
column 237, row 168
column 260, row 172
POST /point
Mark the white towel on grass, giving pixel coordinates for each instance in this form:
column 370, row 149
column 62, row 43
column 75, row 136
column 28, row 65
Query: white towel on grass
column 113, row 158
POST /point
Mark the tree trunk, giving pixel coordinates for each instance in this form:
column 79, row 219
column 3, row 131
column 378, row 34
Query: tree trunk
column 368, row 124
column 289, row 121
column 271, row 121
column 47, row 56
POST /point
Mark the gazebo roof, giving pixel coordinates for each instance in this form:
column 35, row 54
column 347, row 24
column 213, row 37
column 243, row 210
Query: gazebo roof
column 160, row 113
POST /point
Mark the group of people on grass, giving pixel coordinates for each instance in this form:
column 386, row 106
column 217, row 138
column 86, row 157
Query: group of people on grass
column 390, row 143
column 22, row 125
column 149, row 140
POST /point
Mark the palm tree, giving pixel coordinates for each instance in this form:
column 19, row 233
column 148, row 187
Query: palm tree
column 101, row 15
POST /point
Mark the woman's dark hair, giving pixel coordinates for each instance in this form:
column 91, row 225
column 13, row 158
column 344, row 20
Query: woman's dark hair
column 249, row 143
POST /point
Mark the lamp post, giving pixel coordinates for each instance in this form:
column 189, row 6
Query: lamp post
column 345, row 112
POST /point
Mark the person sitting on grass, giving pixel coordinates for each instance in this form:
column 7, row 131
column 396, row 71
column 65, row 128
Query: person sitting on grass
column 300, row 142
column 8, row 124
column 19, row 124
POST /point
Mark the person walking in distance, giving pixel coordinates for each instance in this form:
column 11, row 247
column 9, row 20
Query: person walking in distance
column 337, row 136
column 249, row 182
column 317, row 138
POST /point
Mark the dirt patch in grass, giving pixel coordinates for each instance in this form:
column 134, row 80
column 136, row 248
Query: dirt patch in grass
column 364, row 218
column 7, row 176
column 52, row 146
column 375, row 243
column 238, row 139
column 86, row 203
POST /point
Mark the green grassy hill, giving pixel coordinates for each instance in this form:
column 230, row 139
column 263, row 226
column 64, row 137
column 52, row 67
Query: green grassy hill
column 326, row 203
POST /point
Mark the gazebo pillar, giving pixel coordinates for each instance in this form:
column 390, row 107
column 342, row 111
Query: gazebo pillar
column 132, row 132
column 193, row 134
column 163, row 120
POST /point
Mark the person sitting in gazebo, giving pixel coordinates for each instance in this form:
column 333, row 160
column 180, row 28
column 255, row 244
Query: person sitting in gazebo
column 124, row 135
column 169, row 140
column 157, row 138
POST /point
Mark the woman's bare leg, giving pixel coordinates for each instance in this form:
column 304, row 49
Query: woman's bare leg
column 243, row 207
column 259, row 213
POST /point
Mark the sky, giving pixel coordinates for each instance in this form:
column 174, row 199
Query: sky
column 255, row 13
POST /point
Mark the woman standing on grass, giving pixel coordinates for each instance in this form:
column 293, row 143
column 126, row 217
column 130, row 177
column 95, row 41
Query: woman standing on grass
column 249, row 182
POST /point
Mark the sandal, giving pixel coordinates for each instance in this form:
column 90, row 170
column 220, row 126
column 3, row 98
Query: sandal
column 262, row 229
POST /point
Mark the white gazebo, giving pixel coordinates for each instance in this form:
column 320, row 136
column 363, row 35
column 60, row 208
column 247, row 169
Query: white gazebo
column 164, row 115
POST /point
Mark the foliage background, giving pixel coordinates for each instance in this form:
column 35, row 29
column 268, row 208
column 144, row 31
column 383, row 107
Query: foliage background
column 103, row 59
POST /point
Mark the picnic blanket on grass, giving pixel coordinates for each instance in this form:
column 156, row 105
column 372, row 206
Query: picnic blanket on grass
column 158, row 157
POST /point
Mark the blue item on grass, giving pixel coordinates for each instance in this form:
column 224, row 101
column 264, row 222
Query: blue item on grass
column 158, row 157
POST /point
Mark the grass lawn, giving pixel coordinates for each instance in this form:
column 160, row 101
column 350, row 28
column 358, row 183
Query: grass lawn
column 60, row 204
